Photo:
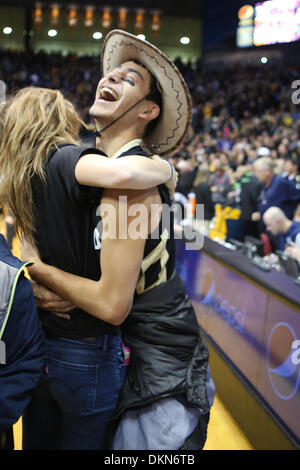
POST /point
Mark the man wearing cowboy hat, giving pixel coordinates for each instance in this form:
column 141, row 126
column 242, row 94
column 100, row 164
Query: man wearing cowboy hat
column 168, row 391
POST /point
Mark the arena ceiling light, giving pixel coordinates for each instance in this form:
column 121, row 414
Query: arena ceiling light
column 7, row 30
column 264, row 60
column 185, row 40
column 52, row 33
column 97, row 35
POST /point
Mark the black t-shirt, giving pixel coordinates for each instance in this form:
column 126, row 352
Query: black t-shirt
column 250, row 191
column 67, row 215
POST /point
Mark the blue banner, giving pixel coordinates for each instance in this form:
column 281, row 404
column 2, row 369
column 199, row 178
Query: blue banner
column 258, row 332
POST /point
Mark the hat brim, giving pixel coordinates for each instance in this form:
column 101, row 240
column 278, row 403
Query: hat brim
column 176, row 114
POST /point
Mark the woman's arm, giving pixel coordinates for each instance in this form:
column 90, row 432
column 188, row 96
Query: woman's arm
column 130, row 172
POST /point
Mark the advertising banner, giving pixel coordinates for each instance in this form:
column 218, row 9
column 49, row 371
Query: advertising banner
column 255, row 330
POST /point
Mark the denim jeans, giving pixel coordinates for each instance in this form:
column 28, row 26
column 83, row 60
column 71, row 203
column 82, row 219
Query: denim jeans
column 76, row 395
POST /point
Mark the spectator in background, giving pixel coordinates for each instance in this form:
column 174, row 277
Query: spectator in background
column 225, row 143
column 220, row 183
column 187, row 170
column 250, row 189
column 279, row 225
column 207, row 115
column 279, row 167
column 291, row 172
column 276, row 190
column 297, row 154
column 203, row 196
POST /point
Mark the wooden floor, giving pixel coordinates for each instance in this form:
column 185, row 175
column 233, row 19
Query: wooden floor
column 223, row 431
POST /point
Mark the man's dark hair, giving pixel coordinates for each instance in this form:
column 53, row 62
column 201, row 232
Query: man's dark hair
column 154, row 95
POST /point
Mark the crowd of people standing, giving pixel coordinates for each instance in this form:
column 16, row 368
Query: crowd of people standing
column 241, row 113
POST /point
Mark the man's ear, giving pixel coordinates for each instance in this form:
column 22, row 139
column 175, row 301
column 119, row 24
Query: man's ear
column 150, row 112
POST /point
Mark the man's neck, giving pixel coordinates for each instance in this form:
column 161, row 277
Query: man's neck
column 113, row 138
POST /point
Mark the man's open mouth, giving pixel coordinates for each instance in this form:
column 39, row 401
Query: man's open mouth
column 107, row 94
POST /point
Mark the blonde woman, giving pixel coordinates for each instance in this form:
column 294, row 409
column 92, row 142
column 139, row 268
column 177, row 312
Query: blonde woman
column 52, row 185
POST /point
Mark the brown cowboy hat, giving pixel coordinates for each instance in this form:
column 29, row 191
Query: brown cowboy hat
column 176, row 114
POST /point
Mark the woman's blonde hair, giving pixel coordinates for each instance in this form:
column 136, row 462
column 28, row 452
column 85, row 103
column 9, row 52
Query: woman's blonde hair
column 35, row 121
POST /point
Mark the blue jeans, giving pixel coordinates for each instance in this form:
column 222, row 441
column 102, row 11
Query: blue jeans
column 76, row 396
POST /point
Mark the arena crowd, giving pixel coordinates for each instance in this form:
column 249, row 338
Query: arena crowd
column 243, row 148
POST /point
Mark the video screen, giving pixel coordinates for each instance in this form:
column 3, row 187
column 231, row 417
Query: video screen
column 276, row 21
